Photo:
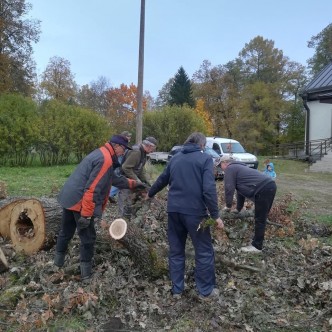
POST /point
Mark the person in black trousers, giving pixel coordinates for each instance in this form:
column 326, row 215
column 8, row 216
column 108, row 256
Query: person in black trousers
column 254, row 185
column 84, row 198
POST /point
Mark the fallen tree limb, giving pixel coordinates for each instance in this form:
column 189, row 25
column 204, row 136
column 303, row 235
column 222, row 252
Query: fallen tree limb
column 237, row 266
column 245, row 214
column 33, row 224
column 274, row 223
column 220, row 261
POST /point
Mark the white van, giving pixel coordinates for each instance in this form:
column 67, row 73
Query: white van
column 225, row 146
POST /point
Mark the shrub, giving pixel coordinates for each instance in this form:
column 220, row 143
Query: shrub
column 19, row 129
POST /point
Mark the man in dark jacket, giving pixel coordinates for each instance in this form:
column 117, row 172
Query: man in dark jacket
column 192, row 194
column 254, row 185
column 133, row 168
column 84, row 197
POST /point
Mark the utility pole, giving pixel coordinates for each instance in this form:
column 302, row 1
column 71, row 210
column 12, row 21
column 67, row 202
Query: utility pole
column 139, row 115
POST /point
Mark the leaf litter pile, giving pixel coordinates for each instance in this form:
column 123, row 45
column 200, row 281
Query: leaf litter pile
column 287, row 287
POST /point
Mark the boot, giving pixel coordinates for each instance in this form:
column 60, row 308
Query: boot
column 59, row 259
column 86, row 271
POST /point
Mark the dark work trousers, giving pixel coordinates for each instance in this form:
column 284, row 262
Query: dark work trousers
column 86, row 235
column 179, row 225
column 124, row 204
column 263, row 203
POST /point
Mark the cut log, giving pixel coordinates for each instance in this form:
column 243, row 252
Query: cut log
column 3, row 262
column 27, row 226
column 146, row 256
column 6, row 208
column 35, row 223
column 118, row 229
column 31, row 224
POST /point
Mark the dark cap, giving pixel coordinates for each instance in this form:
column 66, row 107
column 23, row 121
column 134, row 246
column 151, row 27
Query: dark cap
column 150, row 141
column 121, row 140
column 126, row 133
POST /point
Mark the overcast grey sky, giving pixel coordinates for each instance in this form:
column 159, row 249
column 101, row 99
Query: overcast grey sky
column 101, row 37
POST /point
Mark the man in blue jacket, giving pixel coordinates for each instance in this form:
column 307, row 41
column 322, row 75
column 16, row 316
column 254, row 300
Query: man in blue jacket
column 254, row 185
column 192, row 194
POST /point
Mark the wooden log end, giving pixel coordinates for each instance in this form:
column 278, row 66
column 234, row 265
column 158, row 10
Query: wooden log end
column 6, row 208
column 27, row 226
column 118, row 228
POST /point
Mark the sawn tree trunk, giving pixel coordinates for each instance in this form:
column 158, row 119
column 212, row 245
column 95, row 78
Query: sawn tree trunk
column 33, row 224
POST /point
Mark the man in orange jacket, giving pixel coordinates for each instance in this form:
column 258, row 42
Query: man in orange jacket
column 84, row 197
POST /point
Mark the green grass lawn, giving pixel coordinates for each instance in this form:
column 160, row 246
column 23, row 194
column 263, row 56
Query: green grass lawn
column 291, row 175
column 34, row 181
column 284, row 165
column 45, row 181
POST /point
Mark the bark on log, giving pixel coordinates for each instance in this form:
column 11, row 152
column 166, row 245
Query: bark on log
column 35, row 223
column 32, row 224
column 146, row 256
column 3, row 262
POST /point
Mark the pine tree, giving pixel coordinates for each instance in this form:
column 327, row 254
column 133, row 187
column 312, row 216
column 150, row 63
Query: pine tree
column 181, row 90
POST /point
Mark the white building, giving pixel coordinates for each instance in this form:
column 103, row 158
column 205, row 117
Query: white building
column 317, row 99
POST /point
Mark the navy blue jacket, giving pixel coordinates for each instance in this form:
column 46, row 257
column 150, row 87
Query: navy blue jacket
column 192, row 187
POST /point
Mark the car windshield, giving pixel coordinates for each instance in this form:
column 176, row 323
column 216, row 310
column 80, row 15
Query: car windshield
column 211, row 152
column 232, row 148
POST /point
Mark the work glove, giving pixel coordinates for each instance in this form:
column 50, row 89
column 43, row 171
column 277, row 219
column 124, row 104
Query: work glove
column 148, row 184
column 141, row 186
column 82, row 223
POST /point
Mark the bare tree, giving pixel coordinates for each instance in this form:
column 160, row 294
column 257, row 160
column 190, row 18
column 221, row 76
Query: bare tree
column 94, row 96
